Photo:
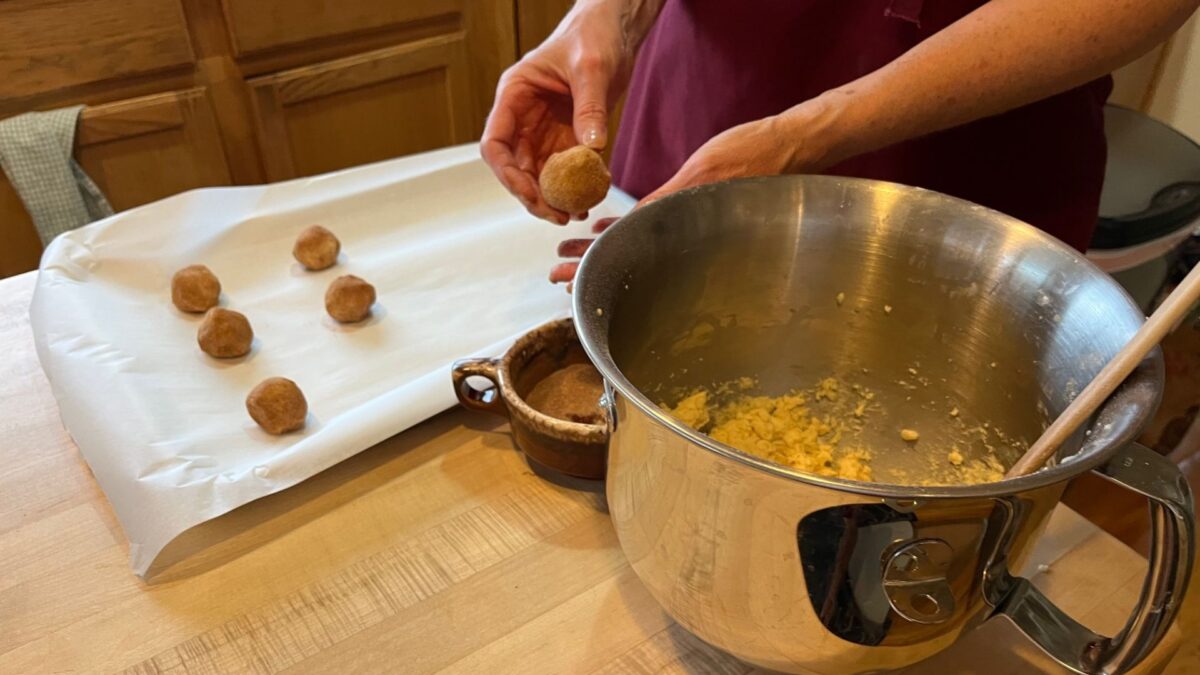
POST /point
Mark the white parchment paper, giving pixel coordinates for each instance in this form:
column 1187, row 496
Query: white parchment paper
column 459, row 267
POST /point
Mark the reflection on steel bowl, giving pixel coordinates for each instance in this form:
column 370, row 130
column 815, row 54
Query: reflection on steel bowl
column 789, row 280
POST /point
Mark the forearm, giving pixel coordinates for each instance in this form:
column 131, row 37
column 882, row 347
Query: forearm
column 632, row 19
column 1006, row 54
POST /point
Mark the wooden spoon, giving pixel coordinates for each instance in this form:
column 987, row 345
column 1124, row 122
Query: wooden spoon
column 1172, row 310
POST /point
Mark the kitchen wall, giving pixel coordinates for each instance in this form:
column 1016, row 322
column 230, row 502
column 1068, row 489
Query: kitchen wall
column 1176, row 99
column 1166, row 82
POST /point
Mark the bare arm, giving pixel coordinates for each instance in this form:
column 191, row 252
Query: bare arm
column 1005, row 54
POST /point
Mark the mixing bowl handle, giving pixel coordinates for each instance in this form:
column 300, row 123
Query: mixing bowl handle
column 1172, row 550
column 487, row 400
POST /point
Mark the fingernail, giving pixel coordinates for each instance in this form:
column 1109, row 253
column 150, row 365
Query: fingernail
column 593, row 138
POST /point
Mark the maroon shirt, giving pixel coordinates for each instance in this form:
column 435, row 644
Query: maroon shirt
column 709, row 65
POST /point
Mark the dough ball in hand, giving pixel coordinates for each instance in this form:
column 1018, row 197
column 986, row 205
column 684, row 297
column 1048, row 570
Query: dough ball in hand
column 316, row 248
column 225, row 334
column 349, row 299
column 277, row 405
column 574, row 180
column 195, row 289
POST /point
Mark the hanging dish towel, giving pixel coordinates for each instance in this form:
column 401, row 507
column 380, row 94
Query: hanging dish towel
column 36, row 152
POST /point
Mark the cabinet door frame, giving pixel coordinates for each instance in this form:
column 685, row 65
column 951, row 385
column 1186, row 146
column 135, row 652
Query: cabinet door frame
column 272, row 94
column 188, row 110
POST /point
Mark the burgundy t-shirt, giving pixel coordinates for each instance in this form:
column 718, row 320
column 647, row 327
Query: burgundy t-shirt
column 709, row 65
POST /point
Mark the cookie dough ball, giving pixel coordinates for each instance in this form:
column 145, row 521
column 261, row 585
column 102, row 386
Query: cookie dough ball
column 316, row 248
column 225, row 334
column 574, row 180
column 349, row 299
column 195, row 289
column 277, row 405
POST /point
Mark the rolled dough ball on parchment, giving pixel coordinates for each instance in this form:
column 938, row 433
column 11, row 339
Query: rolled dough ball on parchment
column 225, row 334
column 277, row 405
column 349, row 299
column 195, row 289
column 316, row 248
column 574, row 180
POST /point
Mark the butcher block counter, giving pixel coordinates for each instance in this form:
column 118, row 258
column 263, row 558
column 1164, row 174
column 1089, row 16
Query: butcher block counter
column 437, row 550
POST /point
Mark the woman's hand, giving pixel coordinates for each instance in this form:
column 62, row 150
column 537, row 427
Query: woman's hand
column 572, row 249
column 766, row 147
column 787, row 143
column 556, row 97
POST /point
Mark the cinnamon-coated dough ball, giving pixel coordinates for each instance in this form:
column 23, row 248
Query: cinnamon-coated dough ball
column 316, row 248
column 195, row 289
column 349, row 299
column 225, row 334
column 277, row 405
column 574, row 180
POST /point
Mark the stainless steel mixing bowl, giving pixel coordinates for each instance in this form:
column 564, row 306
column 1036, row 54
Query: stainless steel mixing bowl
column 791, row 279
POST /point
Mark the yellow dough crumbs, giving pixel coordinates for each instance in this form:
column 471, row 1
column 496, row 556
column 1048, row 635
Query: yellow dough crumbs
column 693, row 410
column 814, row 430
column 985, row 470
column 955, row 457
column 782, row 429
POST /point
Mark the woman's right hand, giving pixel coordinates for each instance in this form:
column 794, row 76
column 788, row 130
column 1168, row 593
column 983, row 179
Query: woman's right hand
column 556, row 97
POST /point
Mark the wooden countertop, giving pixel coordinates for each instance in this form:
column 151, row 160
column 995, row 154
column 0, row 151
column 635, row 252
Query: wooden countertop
column 438, row 550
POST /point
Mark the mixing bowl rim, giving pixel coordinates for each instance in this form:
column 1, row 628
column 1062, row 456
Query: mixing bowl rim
column 615, row 379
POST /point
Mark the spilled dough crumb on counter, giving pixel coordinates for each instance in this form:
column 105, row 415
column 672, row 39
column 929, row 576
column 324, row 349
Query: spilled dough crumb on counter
column 783, row 429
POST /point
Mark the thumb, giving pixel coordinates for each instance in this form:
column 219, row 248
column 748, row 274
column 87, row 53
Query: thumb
column 697, row 170
column 590, row 91
column 675, row 184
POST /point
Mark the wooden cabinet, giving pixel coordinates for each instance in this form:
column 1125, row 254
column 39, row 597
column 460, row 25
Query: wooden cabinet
column 145, row 149
column 259, row 25
column 404, row 77
column 363, row 108
column 55, row 45
column 137, row 151
column 191, row 93
column 20, row 248
column 537, row 19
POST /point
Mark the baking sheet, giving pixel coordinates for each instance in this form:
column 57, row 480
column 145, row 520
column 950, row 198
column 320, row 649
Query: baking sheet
column 459, row 267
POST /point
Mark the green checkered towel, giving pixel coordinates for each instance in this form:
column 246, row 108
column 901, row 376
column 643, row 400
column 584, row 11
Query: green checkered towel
column 36, row 153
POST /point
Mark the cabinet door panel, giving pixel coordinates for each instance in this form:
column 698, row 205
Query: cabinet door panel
column 20, row 248
column 145, row 149
column 258, row 25
column 137, row 151
column 364, row 108
column 48, row 45
column 537, row 19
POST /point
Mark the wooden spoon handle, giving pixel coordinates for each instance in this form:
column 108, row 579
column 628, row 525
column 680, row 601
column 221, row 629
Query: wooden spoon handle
column 1165, row 318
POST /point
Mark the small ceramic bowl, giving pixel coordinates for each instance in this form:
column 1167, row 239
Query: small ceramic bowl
column 573, row 448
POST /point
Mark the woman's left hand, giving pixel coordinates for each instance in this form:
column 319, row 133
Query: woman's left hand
column 763, row 147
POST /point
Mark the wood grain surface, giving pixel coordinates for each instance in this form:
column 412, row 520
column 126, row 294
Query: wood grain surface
column 127, row 147
column 439, row 550
column 84, row 41
column 426, row 82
